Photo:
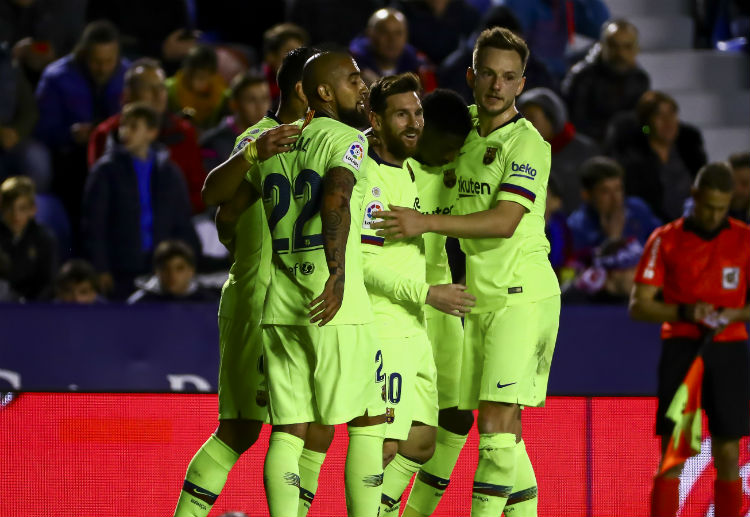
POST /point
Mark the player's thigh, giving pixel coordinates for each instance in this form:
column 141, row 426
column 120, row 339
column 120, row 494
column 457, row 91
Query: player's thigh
column 242, row 392
column 425, row 405
column 345, row 384
column 289, row 360
column 446, row 336
column 725, row 389
column 398, row 374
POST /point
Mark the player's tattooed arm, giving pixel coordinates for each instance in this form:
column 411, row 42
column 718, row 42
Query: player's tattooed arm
column 229, row 213
column 335, row 216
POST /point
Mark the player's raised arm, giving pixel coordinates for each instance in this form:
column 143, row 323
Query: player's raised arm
column 222, row 182
column 335, row 216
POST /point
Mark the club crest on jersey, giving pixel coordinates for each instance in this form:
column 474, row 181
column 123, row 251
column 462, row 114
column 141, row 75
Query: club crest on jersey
column 354, row 155
column 449, row 178
column 489, row 155
column 373, row 206
column 730, row 278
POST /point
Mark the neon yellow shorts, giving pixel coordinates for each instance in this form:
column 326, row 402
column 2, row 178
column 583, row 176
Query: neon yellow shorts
column 321, row 374
column 242, row 389
column 507, row 354
column 408, row 371
column 447, row 336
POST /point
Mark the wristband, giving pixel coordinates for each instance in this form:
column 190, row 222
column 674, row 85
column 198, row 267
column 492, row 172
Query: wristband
column 682, row 310
column 251, row 153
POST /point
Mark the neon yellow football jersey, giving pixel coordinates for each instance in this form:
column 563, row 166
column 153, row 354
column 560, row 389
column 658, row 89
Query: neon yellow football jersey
column 394, row 269
column 291, row 185
column 245, row 289
column 510, row 164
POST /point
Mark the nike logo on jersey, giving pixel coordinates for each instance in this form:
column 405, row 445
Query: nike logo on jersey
column 505, row 385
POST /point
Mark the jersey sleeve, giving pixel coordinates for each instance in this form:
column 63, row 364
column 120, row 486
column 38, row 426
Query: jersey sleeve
column 525, row 170
column 651, row 266
column 382, row 279
column 348, row 150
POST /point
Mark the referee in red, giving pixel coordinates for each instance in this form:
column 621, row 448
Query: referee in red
column 694, row 271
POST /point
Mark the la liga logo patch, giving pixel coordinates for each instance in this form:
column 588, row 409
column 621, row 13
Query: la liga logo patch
column 354, row 155
column 373, row 206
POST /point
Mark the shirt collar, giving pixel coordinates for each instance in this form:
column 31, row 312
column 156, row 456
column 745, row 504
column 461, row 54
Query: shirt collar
column 690, row 226
column 372, row 154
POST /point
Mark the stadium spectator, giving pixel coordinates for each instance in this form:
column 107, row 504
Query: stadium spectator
column 436, row 27
column 452, row 72
column 174, row 277
column 76, row 282
column 144, row 82
column 277, row 42
column 606, row 213
column 693, row 278
column 197, row 91
column 384, row 50
column 550, row 25
column 135, row 198
column 607, row 81
column 18, row 115
column 29, row 245
column 546, row 111
column 322, row 19
column 660, row 154
column 610, row 277
column 250, row 101
column 740, row 206
column 74, row 94
column 560, row 238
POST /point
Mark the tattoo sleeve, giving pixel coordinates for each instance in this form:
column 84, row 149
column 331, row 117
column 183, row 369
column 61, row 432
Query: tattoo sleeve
column 335, row 215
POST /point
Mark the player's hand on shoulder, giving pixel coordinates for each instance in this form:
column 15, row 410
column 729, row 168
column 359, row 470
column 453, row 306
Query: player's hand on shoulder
column 451, row 299
column 276, row 140
column 400, row 223
column 324, row 307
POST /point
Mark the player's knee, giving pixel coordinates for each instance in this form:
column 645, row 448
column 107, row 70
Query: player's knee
column 456, row 421
column 319, row 437
column 390, row 448
column 240, row 435
column 497, row 417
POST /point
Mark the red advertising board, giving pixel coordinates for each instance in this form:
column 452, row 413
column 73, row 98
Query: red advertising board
column 126, row 454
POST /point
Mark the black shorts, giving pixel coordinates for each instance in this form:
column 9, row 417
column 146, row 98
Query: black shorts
column 726, row 388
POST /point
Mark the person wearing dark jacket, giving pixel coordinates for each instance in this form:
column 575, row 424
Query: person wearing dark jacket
column 135, row 198
column 660, row 154
column 26, row 247
column 607, row 81
column 174, row 278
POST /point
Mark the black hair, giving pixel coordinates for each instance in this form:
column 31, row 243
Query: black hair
column 738, row 160
column 140, row 111
column 715, row 176
column 597, row 169
column 98, row 32
column 290, row 70
column 169, row 249
column 76, row 271
column 445, row 111
column 385, row 87
column 242, row 81
column 275, row 37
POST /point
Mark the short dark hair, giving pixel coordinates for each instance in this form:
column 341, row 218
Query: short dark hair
column 76, row 271
column 275, row 37
column 246, row 80
column 597, row 169
column 649, row 104
column 290, row 70
column 169, row 249
column 620, row 24
column 503, row 39
column 140, row 111
column 98, row 32
column 445, row 111
column 384, row 87
column 715, row 176
column 132, row 80
column 15, row 187
column 738, row 160
column 201, row 57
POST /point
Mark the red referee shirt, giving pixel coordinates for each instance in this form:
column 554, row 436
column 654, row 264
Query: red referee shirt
column 691, row 266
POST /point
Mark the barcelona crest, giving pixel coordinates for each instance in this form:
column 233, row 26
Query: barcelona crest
column 449, row 178
column 489, row 155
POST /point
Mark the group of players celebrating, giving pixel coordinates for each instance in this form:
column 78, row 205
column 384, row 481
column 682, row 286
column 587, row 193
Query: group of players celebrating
column 339, row 307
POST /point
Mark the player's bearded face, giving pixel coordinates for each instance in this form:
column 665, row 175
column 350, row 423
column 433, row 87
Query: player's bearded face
column 351, row 94
column 402, row 124
column 497, row 78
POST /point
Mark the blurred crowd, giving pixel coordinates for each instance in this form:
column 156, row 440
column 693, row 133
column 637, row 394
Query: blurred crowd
column 113, row 112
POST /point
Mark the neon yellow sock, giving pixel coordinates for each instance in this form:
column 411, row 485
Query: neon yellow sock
column 281, row 474
column 434, row 476
column 396, row 478
column 496, row 472
column 205, row 478
column 363, row 472
column 309, row 470
column 522, row 502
